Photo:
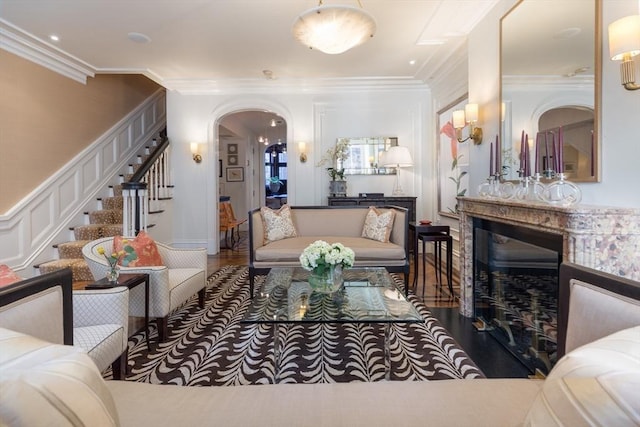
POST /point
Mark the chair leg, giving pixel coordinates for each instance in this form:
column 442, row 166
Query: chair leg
column 120, row 365
column 163, row 329
column 251, row 282
column 201, row 294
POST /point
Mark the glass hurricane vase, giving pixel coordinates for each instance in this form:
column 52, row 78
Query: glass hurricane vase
column 113, row 273
column 326, row 281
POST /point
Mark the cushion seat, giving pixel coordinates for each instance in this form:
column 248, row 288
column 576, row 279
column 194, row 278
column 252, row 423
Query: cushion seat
column 103, row 343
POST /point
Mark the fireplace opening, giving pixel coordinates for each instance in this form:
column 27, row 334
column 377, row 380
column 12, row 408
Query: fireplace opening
column 516, row 290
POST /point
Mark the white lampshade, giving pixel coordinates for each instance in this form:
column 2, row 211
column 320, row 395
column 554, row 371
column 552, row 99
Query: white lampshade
column 471, row 113
column 398, row 157
column 624, row 37
column 334, row 29
column 458, row 119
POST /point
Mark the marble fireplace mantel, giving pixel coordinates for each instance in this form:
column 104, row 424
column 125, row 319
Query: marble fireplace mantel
column 600, row 237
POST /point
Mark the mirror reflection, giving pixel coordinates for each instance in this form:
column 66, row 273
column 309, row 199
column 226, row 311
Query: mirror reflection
column 364, row 155
column 549, row 75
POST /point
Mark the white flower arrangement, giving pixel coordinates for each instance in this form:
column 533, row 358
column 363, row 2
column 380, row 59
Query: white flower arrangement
column 320, row 256
column 335, row 156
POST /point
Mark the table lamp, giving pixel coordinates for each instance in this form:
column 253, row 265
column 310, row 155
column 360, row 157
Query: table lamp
column 397, row 157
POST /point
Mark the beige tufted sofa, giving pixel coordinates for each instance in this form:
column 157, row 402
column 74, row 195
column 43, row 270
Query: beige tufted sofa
column 170, row 285
column 597, row 383
column 334, row 224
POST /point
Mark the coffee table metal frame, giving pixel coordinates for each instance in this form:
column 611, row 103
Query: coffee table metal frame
column 369, row 295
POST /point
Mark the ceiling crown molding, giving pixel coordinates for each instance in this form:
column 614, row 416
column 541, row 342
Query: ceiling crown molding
column 27, row 46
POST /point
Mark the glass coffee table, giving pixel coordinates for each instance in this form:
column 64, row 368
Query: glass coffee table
column 368, row 296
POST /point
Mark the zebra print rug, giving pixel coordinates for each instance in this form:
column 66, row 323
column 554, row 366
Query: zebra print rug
column 210, row 347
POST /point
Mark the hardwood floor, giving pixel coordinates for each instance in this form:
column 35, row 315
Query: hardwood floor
column 488, row 354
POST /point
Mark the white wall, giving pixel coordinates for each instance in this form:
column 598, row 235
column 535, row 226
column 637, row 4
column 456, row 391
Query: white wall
column 317, row 118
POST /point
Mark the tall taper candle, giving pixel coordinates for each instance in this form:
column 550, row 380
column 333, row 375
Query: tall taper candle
column 522, row 151
column 554, row 151
column 536, row 169
column 527, row 158
column 498, row 152
column 491, row 160
column 545, row 164
column 560, row 150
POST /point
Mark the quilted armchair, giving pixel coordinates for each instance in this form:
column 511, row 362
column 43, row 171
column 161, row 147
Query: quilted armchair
column 100, row 327
column 183, row 274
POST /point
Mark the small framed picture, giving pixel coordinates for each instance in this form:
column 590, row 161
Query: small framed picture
column 235, row 174
column 232, row 149
column 232, row 160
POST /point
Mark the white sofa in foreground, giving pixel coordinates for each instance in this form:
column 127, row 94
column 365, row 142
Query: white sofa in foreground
column 596, row 383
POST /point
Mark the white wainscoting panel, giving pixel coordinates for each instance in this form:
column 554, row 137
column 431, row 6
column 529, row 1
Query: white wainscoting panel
column 31, row 228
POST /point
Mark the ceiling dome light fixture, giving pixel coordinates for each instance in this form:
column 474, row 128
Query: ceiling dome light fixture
column 334, row 29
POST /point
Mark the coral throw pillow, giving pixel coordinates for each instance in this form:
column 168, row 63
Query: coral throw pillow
column 8, row 276
column 278, row 224
column 378, row 224
column 145, row 247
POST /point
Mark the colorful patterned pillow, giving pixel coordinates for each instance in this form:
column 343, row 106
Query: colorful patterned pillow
column 145, row 247
column 278, row 224
column 378, row 224
column 8, row 276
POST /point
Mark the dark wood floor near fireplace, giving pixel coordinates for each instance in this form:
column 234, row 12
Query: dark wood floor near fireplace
column 487, row 353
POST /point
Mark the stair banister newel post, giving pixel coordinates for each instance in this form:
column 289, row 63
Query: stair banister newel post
column 137, row 207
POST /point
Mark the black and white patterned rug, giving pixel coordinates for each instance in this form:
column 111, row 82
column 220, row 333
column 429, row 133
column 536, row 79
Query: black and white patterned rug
column 210, row 346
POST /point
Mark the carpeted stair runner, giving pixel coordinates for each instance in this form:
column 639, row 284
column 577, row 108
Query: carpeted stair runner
column 105, row 222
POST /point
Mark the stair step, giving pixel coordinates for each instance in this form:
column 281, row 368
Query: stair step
column 96, row 231
column 79, row 267
column 72, row 249
column 112, row 202
column 106, row 216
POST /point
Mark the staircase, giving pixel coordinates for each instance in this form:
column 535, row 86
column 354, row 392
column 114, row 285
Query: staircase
column 106, row 221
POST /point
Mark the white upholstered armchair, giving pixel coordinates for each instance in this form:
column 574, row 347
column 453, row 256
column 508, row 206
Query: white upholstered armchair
column 170, row 285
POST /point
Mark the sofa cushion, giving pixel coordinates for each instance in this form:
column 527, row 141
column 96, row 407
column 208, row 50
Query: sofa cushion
column 278, row 224
column 378, row 224
column 596, row 384
column 50, row 384
column 145, row 248
column 7, row 275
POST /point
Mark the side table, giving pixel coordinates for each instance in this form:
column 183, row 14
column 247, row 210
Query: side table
column 437, row 234
column 130, row 281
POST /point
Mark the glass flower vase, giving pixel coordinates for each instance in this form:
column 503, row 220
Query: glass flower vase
column 326, row 281
column 113, row 273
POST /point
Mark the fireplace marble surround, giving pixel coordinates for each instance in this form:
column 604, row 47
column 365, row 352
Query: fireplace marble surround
column 600, row 237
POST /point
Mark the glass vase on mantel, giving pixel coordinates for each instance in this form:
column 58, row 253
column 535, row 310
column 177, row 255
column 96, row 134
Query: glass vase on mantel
column 326, row 280
column 113, row 273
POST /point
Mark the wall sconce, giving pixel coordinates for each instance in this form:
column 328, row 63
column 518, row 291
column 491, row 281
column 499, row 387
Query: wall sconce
column 461, row 118
column 624, row 44
column 194, row 151
column 302, row 148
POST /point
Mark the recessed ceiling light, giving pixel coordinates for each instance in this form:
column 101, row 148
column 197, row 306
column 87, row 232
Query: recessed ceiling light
column 54, row 38
column 139, row 38
column 412, row 62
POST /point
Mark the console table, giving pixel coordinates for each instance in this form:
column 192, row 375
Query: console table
column 407, row 202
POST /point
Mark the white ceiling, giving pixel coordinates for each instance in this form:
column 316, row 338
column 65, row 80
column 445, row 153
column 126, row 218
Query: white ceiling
column 235, row 40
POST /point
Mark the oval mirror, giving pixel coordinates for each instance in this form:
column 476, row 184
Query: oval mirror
column 550, row 78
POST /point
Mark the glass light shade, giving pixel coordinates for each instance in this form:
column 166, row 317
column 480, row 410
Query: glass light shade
column 302, row 146
column 624, row 37
column 458, row 119
column 334, row 29
column 397, row 157
column 471, row 113
column 194, row 148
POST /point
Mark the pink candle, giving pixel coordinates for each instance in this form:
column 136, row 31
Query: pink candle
column 491, row 160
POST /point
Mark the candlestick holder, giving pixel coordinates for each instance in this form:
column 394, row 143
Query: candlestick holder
column 562, row 192
column 494, row 189
column 530, row 188
column 549, row 173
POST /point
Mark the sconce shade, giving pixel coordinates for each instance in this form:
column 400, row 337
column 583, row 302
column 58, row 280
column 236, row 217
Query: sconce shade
column 624, row 37
column 302, row 148
column 334, row 29
column 458, row 119
column 471, row 113
column 397, row 157
column 194, row 148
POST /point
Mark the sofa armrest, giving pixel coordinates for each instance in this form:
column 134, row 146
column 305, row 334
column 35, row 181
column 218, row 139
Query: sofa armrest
column 183, row 257
column 101, row 306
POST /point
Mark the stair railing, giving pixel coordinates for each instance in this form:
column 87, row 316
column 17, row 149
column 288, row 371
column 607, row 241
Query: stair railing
column 148, row 185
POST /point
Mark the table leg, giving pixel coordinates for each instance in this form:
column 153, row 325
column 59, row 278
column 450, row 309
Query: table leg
column 415, row 260
column 276, row 347
column 387, row 351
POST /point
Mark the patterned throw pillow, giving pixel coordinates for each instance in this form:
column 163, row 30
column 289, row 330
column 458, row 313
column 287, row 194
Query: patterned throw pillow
column 145, row 247
column 8, row 276
column 378, row 224
column 278, row 224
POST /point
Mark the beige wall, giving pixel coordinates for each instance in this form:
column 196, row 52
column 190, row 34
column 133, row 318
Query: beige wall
column 46, row 119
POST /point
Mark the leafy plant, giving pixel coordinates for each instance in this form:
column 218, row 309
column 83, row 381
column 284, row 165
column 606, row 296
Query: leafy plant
column 457, row 179
column 275, row 180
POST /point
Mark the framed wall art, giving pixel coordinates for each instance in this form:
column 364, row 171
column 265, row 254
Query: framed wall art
column 453, row 161
column 232, row 149
column 235, row 174
column 232, row 160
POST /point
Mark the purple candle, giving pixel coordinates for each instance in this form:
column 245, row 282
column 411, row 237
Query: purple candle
column 522, row 151
column 546, row 152
column 554, row 151
column 537, row 154
column 498, row 151
column 560, row 150
column 491, row 160
column 527, row 157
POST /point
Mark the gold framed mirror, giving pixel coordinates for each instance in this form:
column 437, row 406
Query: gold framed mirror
column 550, row 74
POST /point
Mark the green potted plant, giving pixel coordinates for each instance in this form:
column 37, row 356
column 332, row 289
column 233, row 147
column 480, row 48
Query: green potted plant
column 274, row 184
